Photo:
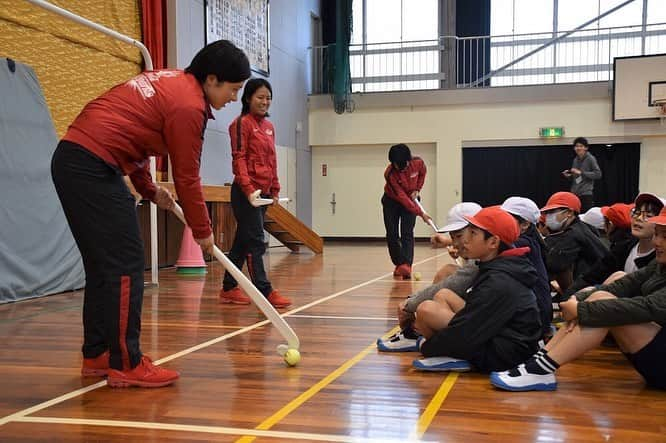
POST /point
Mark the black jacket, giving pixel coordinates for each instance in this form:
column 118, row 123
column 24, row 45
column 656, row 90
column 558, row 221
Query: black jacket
column 500, row 324
column 532, row 239
column 575, row 247
column 621, row 242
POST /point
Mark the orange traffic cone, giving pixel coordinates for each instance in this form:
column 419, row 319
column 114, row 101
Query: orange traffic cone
column 190, row 260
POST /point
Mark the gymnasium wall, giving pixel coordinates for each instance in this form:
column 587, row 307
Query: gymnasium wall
column 290, row 35
column 490, row 117
column 73, row 63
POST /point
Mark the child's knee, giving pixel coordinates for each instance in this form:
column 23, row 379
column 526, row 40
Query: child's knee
column 614, row 276
column 600, row 295
column 443, row 295
column 426, row 308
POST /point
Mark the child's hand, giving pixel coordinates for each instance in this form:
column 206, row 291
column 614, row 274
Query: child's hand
column 440, row 241
column 569, row 308
column 453, row 252
column 404, row 318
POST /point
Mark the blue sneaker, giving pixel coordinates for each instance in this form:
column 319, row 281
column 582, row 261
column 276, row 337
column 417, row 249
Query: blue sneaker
column 442, row 364
column 397, row 343
column 518, row 379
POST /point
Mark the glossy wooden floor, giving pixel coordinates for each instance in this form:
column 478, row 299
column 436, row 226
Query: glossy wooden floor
column 234, row 387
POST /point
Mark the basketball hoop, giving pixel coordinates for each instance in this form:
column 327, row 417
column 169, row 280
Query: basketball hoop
column 661, row 108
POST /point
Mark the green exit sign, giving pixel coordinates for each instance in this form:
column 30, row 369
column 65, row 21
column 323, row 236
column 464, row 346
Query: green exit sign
column 551, row 132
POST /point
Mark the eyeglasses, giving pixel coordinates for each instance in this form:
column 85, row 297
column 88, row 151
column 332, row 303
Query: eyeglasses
column 642, row 215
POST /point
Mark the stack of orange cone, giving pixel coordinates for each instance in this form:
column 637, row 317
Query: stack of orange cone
column 190, row 260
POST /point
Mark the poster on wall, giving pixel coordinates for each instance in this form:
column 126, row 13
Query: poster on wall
column 243, row 22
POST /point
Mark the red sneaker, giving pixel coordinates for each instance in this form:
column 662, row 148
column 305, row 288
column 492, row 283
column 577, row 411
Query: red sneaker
column 396, row 272
column 277, row 300
column 96, row 367
column 234, row 296
column 145, row 375
column 405, row 271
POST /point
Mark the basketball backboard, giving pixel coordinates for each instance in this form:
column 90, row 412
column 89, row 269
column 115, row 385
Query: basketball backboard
column 639, row 85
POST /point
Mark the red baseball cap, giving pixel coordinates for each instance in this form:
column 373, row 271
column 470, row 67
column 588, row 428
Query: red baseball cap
column 563, row 200
column 498, row 222
column 619, row 214
column 657, row 220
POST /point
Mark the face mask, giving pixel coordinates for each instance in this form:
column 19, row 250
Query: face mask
column 552, row 223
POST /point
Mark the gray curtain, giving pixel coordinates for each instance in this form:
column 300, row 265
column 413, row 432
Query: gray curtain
column 38, row 255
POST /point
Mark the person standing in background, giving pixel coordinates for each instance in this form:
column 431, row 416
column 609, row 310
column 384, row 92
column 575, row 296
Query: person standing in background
column 254, row 166
column 404, row 180
column 584, row 171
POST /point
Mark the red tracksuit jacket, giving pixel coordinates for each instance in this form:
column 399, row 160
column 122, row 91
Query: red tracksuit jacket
column 254, row 163
column 400, row 184
column 155, row 113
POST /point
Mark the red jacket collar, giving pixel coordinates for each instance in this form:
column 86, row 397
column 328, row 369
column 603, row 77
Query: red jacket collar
column 516, row 252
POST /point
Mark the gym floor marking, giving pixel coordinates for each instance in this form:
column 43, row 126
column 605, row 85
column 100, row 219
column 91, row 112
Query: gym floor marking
column 22, row 415
column 314, row 389
column 187, row 325
column 337, row 317
column 201, row 429
column 434, row 405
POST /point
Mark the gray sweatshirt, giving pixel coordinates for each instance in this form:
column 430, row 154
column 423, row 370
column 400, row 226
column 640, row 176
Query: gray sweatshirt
column 458, row 282
column 584, row 184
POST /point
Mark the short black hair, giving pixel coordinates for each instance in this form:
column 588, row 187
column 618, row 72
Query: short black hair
column 250, row 88
column 221, row 59
column 399, row 155
column 582, row 141
column 502, row 246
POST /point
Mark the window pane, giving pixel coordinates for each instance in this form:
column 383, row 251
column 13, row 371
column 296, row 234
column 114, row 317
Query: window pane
column 632, row 14
column 533, row 16
column 656, row 11
column 419, row 20
column 501, row 17
column 573, row 13
column 357, row 17
column 383, row 20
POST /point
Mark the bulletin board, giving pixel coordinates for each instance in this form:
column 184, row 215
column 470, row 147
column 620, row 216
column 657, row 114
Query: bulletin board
column 243, row 22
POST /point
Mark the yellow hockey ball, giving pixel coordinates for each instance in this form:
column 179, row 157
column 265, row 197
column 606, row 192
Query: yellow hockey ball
column 292, row 357
column 417, row 276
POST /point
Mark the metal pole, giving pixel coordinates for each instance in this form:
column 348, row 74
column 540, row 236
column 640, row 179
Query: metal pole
column 149, row 67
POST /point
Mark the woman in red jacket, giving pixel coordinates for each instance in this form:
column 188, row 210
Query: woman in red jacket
column 155, row 113
column 404, row 180
column 255, row 174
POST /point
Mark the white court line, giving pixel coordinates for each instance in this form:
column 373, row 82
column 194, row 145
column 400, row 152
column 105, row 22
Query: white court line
column 205, row 429
column 18, row 415
column 337, row 317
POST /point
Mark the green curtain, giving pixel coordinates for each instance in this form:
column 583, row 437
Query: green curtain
column 341, row 74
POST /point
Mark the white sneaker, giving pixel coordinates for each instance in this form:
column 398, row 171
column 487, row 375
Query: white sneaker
column 523, row 381
column 397, row 343
column 442, row 364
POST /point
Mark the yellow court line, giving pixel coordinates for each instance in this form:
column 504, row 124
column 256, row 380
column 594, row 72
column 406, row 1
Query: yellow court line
column 434, row 405
column 305, row 396
column 54, row 401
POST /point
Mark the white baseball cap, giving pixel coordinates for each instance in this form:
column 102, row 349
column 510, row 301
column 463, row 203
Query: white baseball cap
column 522, row 207
column 647, row 197
column 594, row 217
column 455, row 220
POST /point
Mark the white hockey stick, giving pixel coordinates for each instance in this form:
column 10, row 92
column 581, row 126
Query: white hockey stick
column 256, row 296
column 459, row 261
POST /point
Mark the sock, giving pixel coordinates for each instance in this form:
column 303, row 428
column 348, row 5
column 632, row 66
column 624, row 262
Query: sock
column 542, row 364
column 410, row 333
column 539, row 364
